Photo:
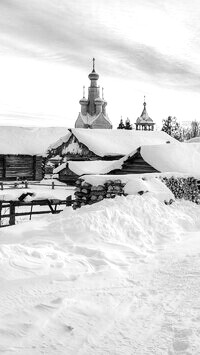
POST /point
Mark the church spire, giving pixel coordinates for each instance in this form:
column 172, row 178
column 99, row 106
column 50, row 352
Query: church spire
column 93, row 65
column 93, row 76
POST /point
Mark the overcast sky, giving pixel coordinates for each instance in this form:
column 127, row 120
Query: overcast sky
column 142, row 47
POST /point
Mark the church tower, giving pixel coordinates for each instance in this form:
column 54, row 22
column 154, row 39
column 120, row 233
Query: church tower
column 93, row 109
column 144, row 122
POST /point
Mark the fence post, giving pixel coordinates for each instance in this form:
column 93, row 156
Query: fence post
column 0, row 211
column 53, row 185
column 1, row 185
column 12, row 214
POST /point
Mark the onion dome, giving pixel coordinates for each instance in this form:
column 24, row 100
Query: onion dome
column 99, row 100
column 93, row 75
column 83, row 101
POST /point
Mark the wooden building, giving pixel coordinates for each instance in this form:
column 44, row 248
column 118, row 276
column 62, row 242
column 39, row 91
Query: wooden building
column 104, row 144
column 134, row 164
column 21, row 166
column 23, row 151
column 94, row 152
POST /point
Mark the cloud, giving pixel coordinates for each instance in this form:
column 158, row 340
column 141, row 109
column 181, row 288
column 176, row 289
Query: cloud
column 66, row 31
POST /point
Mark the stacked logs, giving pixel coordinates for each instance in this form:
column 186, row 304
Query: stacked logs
column 184, row 188
column 87, row 194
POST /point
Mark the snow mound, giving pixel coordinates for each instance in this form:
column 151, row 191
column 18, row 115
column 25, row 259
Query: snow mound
column 152, row 186
column 104, row 235
column 93, row 279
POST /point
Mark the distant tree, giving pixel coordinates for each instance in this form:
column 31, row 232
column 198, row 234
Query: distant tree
column 192, row 131
column 195, row 129
column 128, row 124
column 172, row 127
column 121, row 124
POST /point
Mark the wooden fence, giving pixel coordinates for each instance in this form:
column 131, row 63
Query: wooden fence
column 53, row 206
column 27, row 184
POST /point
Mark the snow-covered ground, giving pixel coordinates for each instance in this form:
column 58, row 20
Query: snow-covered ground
column 119, row 277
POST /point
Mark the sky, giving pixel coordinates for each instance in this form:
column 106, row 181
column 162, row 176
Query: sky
column 141, row 47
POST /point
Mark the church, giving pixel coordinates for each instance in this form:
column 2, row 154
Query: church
column 93, row 109
column 144, row 122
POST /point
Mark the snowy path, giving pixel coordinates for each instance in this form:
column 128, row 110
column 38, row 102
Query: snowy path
column 63, row 292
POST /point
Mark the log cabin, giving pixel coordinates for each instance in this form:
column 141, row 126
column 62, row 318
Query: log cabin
column 23, row 151
column 147, row 159
column 104, row 144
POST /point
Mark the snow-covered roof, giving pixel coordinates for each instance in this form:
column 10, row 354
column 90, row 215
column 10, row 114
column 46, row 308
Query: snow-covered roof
column 182, row 158
column 93, row 167
column 28, row 140
column 90, row 167
column 88, row 119
column 60, row 140
column 119, row 141
column 194, row 140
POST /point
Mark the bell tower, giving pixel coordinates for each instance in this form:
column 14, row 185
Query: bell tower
column 93, row 109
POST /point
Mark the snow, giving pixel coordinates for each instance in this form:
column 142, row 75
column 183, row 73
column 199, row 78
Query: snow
column 49, row 182
column 93, row 167
column 118, row 277
column 195, row 145
column 60, row 140
column 101, row 179
column 59, row 168
column 152, row 186
column 182, row 158
column 194, row 140
column 39, row 192
column 115, row 141
column 28, row 140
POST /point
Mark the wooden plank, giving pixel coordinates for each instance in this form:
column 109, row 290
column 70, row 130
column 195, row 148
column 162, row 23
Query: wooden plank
column 12, row 214
column 18, row 214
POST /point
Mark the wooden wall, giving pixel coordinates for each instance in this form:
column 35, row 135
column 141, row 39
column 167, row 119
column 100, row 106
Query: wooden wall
column 134, row 165
column 68, row 176
column 22, row 166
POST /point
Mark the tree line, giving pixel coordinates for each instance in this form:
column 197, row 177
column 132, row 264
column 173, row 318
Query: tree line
column 171, row 126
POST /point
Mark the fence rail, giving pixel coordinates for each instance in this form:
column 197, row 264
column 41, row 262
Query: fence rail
column 27, row 184
column 11, row 205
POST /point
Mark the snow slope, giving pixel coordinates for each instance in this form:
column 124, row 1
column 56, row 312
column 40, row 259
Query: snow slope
column 182, row 158
column 118, row 277
column 28, row 140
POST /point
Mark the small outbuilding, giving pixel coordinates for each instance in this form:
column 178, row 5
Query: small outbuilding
column 23, row 151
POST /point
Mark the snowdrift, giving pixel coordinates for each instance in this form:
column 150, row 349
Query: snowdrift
column 90, row 281
column 94, row 237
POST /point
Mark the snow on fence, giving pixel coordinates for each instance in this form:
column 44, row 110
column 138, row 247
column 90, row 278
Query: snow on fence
column 26, row 184
column 13, row 205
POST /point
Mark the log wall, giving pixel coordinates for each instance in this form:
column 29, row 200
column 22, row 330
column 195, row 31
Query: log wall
column 68, row 176
column 134, row 165
column 23, row 166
